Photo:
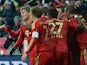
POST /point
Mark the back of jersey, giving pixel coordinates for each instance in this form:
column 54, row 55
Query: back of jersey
column 58, row 34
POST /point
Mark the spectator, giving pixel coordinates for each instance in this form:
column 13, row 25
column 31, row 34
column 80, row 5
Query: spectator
column 2, row 32
column 17, row 23
column 20, row 2
column 8, row 13
column 2, row 2
column 1, row 9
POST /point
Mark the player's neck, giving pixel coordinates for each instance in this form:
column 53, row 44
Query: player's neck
column 28, row 21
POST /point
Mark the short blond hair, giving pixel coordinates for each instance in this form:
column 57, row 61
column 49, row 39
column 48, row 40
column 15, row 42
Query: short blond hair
column 25, row 7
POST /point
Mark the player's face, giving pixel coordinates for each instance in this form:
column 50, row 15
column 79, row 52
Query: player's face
column 25, row 15
column 66, row 13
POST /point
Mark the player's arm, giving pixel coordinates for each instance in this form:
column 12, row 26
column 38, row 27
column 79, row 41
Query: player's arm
column 81, row 24
column 18, row 43
column 34, row 39
column 11, row 32
column 31, row 44
column 14, row 34
column 73, row 24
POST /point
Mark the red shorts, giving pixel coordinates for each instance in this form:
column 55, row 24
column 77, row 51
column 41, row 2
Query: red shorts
column 62, row 58
column 45, row 58
column 32, row 56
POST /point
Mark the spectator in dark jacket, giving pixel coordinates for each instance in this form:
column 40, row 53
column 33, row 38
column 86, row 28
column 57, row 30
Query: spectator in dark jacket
column 8, row 13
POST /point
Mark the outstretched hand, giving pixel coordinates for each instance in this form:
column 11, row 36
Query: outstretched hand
column 7, row 28
column 24, row 57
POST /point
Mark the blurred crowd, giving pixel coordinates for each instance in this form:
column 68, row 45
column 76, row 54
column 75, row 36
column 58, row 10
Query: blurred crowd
column 10, row 13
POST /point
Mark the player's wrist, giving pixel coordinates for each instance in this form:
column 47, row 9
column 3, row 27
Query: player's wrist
column 26, row 52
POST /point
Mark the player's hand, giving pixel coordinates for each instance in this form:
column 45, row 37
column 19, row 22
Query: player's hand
column 24, row 57
column 11, row 52
column 7, row 28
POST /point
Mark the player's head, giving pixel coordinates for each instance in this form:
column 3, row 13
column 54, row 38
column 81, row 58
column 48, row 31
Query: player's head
column 71, row 9
column 45, row 11
column 60, row 8
column 52, row 13
column 36, row 12
column 25, row 12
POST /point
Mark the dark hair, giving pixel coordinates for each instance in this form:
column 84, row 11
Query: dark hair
column 72, row 9
column 45, row 10
column 36, row 11
column 52, row 13
column 61, row 7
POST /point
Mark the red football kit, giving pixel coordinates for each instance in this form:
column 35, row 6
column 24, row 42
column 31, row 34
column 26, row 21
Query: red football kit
column 50, row 37
column 59, row 33
column 23, row 34
column 82, row 40
column 78, row 46
column 44, row 49
column 74, row 48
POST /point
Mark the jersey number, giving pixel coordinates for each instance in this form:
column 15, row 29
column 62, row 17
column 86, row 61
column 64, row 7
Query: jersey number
column 56, row 33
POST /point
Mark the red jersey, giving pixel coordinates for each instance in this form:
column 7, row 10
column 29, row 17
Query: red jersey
column 21, row 36
column 15, row 34
column 82, row 35
column 22, row 33
column 40, row 31
column 73, row 24
column 58, row 34
column 59, row 31
column 51, row 34
column 82, row 39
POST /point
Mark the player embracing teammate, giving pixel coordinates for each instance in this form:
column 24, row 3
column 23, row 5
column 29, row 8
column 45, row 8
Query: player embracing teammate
column 48, row 38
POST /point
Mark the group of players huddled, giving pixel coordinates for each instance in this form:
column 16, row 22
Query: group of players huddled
column 55, row 36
